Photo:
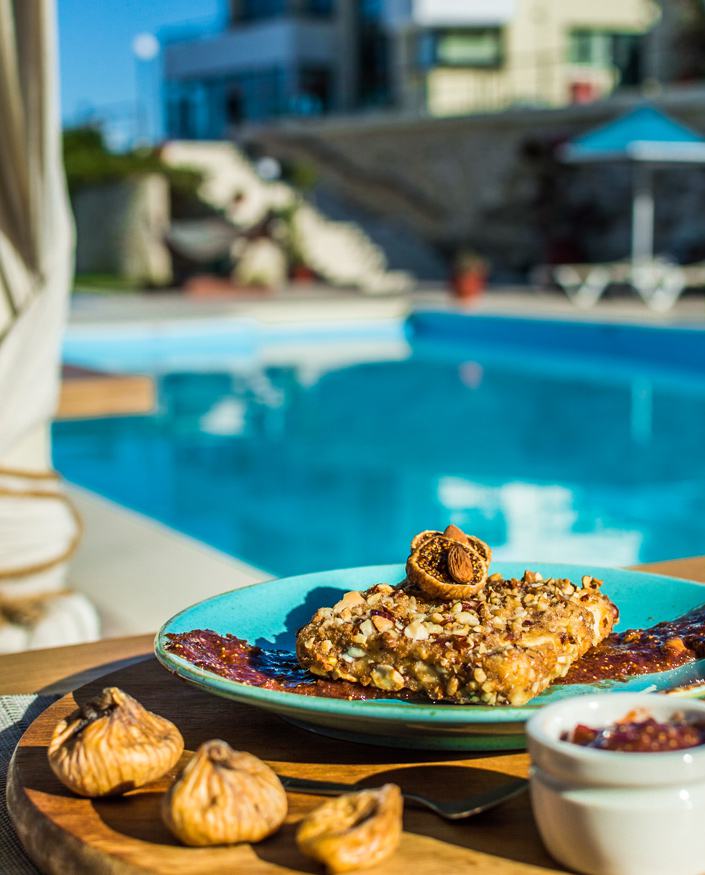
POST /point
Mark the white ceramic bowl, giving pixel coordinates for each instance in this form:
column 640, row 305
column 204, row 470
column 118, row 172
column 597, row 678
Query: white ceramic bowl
column 613, row 813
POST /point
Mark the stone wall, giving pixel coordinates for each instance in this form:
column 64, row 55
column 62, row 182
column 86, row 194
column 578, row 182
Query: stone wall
column 121, row 229
column 493, row 183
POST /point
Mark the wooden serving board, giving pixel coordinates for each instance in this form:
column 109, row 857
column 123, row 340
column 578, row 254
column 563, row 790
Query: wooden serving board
column 64, row 834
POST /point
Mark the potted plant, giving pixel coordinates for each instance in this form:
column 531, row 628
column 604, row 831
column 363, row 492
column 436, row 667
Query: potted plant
column 301, row 273
column 469, row 277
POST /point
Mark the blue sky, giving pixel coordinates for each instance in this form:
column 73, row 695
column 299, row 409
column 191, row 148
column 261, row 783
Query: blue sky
column 98, row 69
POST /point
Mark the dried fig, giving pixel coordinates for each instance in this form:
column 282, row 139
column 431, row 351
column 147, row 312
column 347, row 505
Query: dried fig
column 455, row 534
column 446, row 567
column 480, row 547
column 422, row 537
column 224, row 796
column 353, row 831
column 111, row 745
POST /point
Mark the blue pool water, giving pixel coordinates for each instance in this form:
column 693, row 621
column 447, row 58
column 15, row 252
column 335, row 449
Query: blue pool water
column 296, row 453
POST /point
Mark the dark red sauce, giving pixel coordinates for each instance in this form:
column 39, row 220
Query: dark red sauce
column 643, row 651
column 634, row 652
column 638, row 732
column 235, row 659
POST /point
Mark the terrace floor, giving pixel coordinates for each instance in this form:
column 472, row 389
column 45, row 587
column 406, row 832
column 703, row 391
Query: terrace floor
column 138, row 572
column 314, row 302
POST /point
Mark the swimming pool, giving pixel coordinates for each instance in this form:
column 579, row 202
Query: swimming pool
column 304, row 450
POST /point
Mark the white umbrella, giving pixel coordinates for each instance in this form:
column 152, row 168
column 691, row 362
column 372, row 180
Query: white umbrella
column 38, row 528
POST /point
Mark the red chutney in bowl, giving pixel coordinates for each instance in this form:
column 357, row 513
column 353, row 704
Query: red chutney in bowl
column 639, row 732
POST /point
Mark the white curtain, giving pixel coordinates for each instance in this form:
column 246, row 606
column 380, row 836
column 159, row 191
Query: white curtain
column 38, row 528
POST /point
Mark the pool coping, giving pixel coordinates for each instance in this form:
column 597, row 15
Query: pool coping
column 155, row 568
column 148, row 346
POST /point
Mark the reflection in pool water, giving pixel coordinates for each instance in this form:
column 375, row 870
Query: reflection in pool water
column 297, row 468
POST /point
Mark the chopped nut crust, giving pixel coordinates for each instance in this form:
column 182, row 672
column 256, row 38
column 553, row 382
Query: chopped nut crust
column 502, row 646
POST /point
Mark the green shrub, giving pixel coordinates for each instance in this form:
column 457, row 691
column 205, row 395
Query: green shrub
column 89, row 162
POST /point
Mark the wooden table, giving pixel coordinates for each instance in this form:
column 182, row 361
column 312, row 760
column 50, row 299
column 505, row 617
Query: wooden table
column 504, row 842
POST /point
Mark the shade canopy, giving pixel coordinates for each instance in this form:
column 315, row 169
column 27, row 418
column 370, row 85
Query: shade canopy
column 38, row 527
column 644, row 134
column 647, row 138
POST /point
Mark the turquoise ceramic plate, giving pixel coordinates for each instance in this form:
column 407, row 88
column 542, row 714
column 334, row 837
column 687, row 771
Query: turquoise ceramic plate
column 269, row 614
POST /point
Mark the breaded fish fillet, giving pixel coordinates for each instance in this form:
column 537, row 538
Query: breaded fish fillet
column 501, row 647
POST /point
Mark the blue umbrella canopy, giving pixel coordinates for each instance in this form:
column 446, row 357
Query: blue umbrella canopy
column 646, row 138
column 644, row 134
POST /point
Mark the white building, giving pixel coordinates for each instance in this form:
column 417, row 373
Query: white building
column 309, row 57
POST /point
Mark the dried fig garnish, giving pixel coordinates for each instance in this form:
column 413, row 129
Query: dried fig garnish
column 111, row 745
column 353, row 831
column 422, row 537
column 456, row 534
column 447, row 566
column 224, row 796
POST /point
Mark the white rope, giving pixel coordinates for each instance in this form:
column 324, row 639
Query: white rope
column 39, row 530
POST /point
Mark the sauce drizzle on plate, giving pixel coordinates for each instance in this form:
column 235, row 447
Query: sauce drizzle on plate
column 662, row 647
column 622, row 655
column 236, row 659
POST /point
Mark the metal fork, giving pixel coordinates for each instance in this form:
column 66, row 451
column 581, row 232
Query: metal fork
column 449, row 810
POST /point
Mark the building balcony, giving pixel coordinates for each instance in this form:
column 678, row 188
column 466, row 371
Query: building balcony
column 277, row 42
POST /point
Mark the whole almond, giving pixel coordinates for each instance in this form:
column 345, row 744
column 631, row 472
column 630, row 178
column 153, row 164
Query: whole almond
column 460, row 565
column 455, row 533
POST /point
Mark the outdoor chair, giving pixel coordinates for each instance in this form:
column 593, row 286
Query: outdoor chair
column 643, row 140
column 658, row 282
column 585, row 284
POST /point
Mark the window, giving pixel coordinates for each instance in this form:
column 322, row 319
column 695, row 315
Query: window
column 252, row 10
column 371, row 10
column 256, row 10
column 318, row 7
column 605, row 50
column 590, row 48
column 462, row 47
column 627, row 57
column 181, row 111
column 183, row 119
column 251, row 95
column 263, row 93
column 211, row 108
column 234, row 106
column 313, row 93
column 373, row 73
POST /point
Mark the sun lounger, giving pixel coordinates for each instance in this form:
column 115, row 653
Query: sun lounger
column 585, row 284
column 658, row 282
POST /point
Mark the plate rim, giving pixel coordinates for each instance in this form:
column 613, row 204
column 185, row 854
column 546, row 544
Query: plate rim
column 375, row 710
